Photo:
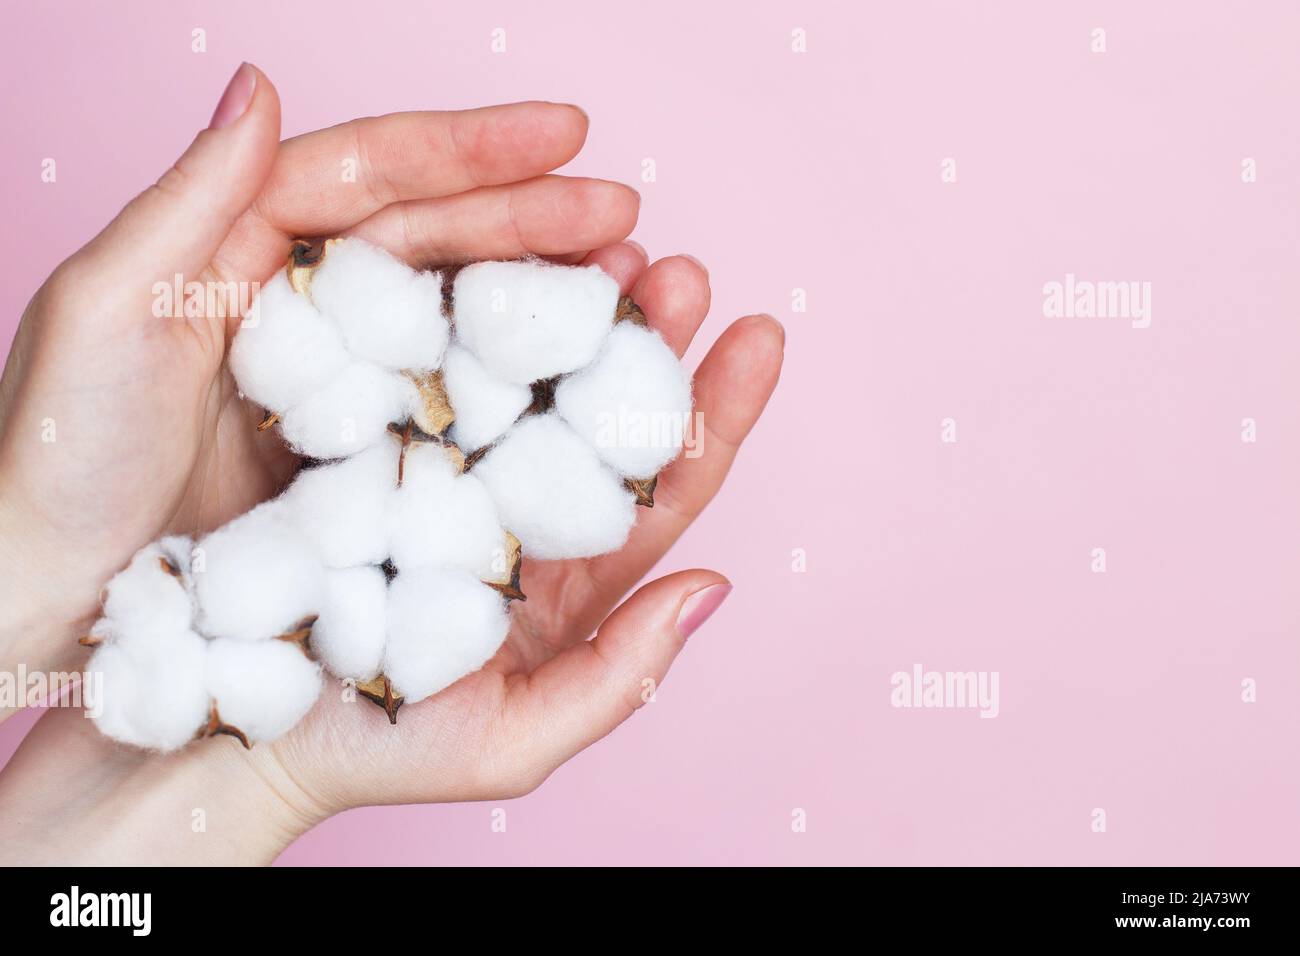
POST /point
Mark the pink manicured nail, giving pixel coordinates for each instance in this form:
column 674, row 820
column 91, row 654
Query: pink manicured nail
column 699, row 607
column 239, row 93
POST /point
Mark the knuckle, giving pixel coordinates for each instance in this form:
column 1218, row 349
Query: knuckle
column 517, row 782
column 68, row 287
column 174, row 182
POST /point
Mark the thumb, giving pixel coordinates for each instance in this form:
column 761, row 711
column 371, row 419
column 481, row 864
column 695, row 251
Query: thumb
column 177, row 225
column 584, row 693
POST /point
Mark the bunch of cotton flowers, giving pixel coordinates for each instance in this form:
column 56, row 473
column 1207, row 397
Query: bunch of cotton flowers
column 435, row 460
column 418, row 567
column 327, row 342
column 175, row 657
column 607, row 402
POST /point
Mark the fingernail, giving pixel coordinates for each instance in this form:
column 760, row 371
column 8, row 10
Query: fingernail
column 687, row 255
column 637, row 246
column 234, row 102
column 699, row 607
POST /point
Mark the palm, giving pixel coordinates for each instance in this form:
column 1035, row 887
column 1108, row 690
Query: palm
column 150, row 424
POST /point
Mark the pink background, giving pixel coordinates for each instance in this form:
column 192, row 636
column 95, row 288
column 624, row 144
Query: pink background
column 820, row 171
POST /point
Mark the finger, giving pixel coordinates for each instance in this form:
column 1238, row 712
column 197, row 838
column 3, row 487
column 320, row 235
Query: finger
column 732, row 386
column 331, row 179
column 624, row 262
column 585, row 692
column 674, row 295
column 177, row 225
column 543, row 216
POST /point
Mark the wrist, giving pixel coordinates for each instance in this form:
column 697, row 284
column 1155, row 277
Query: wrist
column 45, row 612
column 210, row 804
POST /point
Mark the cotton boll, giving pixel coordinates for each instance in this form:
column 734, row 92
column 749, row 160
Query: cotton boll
column 260, row 577
column 349, row 414
column 441, row 626
column 485, row 406
column 340, row 506
column 388, row 313
column 146, row 597
column 632, row 404
column 532, row 320
column 438, row 518
column 286, row 350
column 262, row 688
column 348, row 637
column 553, row 492
column 151, row 695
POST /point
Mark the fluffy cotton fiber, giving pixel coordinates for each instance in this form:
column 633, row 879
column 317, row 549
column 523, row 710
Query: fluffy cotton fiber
column 286, row 350
column 439, row 518
column 554, row 494
column 485, row 406
column 388, row 313
column 350, row 414
column 261, row 687
column 328, row 365
column 147, row 599
column 149, row 693
column 527, row 321
column 441, row 626
column 341, row 507
column 260, row 577
column 632, row 404
column 348, row 637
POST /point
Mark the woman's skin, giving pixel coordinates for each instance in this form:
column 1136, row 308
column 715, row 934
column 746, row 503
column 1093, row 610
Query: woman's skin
column 151, row 437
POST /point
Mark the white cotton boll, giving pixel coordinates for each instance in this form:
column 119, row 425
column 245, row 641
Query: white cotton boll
column 554, row 494
column 632, row 404
column 285, row 350
column 146, row 597
column 442, row 625
column 349, row 414
column 151, row 695
column 340, row 506
column 348, row 637
column 485, row 406
column 531, row 320
column 262, row 688
column 439, row 518
column 260, row 577
column 388, row 313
